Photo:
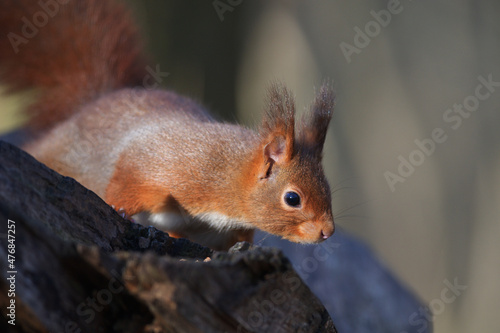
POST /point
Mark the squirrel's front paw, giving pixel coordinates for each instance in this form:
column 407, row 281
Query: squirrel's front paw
column 121, row 211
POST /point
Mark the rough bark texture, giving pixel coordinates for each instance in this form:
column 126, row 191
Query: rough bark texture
column 80, row 267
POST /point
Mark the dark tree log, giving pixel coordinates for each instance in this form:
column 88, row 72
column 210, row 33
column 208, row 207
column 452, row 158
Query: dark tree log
column 80, row 267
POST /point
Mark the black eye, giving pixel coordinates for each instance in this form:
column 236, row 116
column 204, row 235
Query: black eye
column 292, row 199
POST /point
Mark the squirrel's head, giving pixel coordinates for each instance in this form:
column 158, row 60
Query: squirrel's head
column 290, row 195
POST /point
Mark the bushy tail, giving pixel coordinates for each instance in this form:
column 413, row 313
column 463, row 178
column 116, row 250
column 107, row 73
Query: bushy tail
column 69, row 52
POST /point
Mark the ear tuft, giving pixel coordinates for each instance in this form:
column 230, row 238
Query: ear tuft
column 278, row 127
column 312, row 131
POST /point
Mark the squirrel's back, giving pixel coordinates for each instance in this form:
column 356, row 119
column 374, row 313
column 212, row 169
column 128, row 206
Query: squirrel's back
column 69, row 52
column 154, row 128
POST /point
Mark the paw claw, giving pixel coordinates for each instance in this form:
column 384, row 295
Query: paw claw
column 122, row 212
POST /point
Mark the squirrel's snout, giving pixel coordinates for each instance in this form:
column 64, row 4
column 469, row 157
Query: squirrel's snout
column 313, row 231
column 326, row 234
column 327, row 230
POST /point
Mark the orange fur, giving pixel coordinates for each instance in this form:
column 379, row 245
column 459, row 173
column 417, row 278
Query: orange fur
column 160, row 155
column 85, row 49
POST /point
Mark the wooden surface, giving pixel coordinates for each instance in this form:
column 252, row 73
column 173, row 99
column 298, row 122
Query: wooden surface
column 82, row 268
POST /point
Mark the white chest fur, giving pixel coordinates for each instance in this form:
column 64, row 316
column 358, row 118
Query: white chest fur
column 178, row 222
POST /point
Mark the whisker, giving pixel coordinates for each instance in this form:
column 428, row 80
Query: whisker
column 340, row 188
column 351, row 207
column 350, row 215
column 266, row 236
column 343, row 181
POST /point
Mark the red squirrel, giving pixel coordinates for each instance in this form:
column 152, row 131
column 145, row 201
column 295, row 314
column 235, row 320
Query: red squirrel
column 153, row 154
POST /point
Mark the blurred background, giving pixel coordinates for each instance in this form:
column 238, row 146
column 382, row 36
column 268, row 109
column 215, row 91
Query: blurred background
column 413, row 153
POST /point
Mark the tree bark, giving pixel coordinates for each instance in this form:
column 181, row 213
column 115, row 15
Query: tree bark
column 79, row 267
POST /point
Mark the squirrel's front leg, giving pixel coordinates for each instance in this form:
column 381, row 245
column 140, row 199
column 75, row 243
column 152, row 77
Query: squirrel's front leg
column 130, row 195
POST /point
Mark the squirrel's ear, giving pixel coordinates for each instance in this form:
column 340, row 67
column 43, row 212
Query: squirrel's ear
column 278, row 133
column 312, row 131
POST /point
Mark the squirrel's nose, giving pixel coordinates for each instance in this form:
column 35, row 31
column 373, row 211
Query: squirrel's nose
column 327, row 230
column 326, row 234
